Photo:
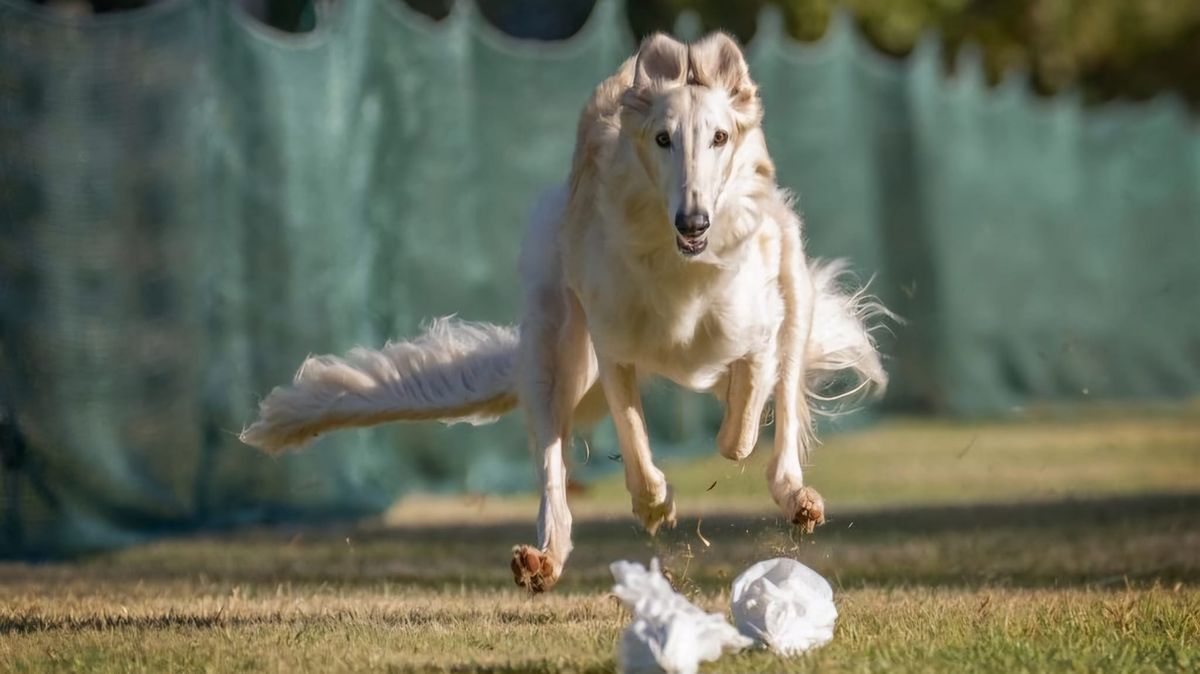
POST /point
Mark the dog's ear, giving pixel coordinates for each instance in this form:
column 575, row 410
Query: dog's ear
column 717, row 61
column 660, row 60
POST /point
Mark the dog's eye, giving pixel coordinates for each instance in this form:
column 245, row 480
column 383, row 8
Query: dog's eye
column 663, row 139
column 720, row 138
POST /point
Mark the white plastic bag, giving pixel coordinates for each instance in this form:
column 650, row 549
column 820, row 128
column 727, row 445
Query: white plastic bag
column 784, row 605
column 668, row 633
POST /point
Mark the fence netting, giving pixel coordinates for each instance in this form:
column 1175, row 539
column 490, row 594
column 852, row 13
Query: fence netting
column 191, row 203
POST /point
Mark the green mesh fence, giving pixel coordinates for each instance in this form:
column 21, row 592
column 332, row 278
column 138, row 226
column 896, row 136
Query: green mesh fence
column 191, row 203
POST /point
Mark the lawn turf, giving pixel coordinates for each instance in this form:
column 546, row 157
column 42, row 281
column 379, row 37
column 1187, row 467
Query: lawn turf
column 1039, row 546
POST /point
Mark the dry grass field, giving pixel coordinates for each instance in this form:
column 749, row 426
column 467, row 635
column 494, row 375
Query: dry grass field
column 1034, row 546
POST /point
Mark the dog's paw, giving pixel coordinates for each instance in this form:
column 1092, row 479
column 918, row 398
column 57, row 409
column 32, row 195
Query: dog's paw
column 808, row 509
column 655, row 511
column 533, row 569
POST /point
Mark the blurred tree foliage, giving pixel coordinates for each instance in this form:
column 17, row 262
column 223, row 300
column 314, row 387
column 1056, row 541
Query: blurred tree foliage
column 1108, row 48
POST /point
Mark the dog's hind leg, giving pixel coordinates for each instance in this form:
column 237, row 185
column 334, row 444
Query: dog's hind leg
column 653, row 500
column 793, row 418
column 750, row 381
column 558, row 368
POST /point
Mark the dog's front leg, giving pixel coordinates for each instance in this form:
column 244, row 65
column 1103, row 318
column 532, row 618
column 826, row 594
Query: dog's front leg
column 793, row 434
column 793, row 418
column 653, row 500
column 750, row 381
column 558, row 368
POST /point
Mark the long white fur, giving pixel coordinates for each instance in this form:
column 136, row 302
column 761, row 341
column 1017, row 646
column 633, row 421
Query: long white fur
column 457, row 371
column 841, row 343
column 612, row 293
column 464, row 372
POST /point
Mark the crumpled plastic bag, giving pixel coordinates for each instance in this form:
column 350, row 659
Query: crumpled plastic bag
column 784, row 605
column 668, row 633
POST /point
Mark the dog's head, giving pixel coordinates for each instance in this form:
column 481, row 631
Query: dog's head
column 693, row 116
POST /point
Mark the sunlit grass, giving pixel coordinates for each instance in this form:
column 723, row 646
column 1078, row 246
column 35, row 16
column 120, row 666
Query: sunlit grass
column 1043, row 546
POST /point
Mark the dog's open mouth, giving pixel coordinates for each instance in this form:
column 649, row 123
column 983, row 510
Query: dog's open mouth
column 691, row 245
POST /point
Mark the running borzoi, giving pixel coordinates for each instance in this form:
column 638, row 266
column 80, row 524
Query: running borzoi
column 671, row 252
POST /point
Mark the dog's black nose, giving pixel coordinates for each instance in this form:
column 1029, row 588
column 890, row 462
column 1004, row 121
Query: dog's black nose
column 694, row 224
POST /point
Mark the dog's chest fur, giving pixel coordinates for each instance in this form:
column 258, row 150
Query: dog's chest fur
column 686, row 323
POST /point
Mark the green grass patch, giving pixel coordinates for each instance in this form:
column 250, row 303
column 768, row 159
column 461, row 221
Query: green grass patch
column 1047, row 546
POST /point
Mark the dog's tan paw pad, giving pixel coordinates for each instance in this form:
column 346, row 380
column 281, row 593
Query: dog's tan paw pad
column 533, row 569
column 809, row 509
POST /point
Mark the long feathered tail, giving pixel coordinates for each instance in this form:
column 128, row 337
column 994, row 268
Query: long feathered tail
column 456, row 372
column 842, row 352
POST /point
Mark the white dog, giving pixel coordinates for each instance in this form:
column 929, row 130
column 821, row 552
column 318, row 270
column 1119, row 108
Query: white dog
column 672, row 252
